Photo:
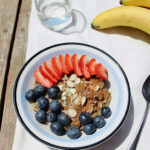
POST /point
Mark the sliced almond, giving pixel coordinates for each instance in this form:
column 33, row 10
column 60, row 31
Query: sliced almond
column 63, row 98
column 73, row 77
column 83, row 100
column 72, row 113
column 77, row 101
column 96, row 88
column 64, row 111
column 70, row 84
column 61, row 87
column 72, row 90
column 77, row 81
column 64, row 104
column 64, row 93
column 68, row 93
column 74, row 96
column 65, row 77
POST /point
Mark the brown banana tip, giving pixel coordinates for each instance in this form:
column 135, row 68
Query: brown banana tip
column 94, row 27
column 121, row 2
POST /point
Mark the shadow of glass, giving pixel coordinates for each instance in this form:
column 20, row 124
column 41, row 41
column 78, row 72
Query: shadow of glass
column 128, row 31
column 118, row 138
column 78, row 24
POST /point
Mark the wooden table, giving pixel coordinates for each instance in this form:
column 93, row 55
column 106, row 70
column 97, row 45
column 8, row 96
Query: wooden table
column 14, row 19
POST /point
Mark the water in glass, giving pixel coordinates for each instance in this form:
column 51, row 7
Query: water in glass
column 54, row 14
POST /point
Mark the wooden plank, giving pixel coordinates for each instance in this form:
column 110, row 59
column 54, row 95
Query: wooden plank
column 17, row 60
column 8, row 11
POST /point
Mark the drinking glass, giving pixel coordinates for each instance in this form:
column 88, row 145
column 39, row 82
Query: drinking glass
column 54, row 14
column 57, row 15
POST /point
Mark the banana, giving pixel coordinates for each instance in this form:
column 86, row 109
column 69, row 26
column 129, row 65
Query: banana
column 131, row 16
column 145, row 3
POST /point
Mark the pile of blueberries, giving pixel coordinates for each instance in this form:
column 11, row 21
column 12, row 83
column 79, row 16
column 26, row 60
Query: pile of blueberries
column 58, row 119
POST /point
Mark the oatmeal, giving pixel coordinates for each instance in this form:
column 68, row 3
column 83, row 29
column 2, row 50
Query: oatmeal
column 71, row 94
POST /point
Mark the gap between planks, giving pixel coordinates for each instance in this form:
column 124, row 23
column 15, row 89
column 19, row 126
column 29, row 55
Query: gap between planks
column 16, row 62
column 9, row 41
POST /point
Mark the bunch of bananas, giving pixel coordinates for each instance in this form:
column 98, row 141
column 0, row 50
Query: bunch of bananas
column 128, row 15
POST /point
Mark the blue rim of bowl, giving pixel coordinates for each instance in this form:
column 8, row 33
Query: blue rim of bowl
column 56, row 146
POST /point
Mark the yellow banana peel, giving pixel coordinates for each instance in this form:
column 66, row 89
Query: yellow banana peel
column 132, row 16
column 144, row 3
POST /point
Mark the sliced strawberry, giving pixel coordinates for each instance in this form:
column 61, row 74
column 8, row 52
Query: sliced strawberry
column 76, row 65
column 57, row 65
column 100, row 72
column 46, row 74
column 68, row 62
column 63, row 64
column 105, row 69
column 41, row 79
column 92, row 65
column 84, row 61
column 48, row 66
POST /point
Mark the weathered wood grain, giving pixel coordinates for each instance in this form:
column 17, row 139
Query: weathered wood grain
column 8, row 11
column 17, row 60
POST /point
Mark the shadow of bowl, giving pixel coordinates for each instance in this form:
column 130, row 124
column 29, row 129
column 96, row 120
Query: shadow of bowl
column 117, row 139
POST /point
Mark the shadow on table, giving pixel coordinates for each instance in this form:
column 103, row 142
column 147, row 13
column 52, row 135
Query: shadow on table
column 128, row 31
column 117, row 139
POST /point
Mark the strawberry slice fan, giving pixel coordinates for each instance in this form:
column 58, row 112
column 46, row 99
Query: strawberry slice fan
column 52, row 71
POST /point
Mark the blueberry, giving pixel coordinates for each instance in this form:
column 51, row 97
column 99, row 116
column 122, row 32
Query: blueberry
column 40, row 90
column 55, row 105
column 73, row 132
column 30, row 96
column 89, row 129
column 43, row 103
column 51, row 117
column 40, row 116
column 106, row 112
column 64, row 119
column 85, row 118
column 54, row 92
column 99, row 121
column 57, row 128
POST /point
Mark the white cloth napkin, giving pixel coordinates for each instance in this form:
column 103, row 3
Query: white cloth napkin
column 130, row 47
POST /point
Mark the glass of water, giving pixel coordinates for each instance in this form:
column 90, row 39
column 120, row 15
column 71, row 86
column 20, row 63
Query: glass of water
column 54, row 14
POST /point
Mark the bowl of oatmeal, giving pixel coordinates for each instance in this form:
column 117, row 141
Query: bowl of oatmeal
column 71, row 96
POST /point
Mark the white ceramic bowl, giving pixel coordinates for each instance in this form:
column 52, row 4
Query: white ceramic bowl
column 119, row 87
